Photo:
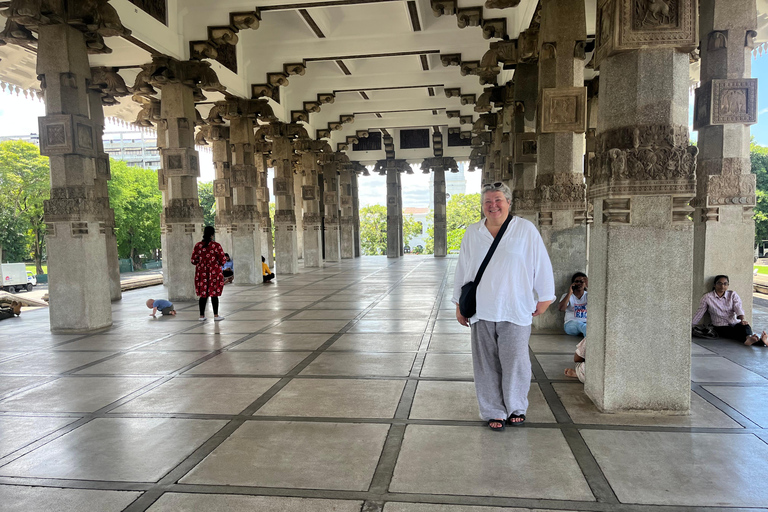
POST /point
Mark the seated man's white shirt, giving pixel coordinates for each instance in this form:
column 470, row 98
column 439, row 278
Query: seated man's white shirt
column 577, row 308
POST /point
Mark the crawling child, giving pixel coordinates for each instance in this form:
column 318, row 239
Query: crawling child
column 164, row 306
column 579, row 358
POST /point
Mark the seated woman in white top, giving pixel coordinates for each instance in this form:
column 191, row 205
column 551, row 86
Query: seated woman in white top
column 574, row 303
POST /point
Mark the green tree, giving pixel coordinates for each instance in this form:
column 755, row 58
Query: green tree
column 272, row 219
column 373, row 229
column 24, row 185
column 759, row 160
column 138, row 203
column 461, row 211
column 207, row 202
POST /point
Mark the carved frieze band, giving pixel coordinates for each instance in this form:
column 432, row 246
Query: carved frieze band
column 182, row 211
column 561, row 191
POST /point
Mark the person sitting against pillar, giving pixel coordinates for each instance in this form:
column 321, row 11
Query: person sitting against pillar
column 506, row 304
column 574, row 303
column 228, row 270
column 725, row 311
column 208, row 257
column 579, row 357
column 266, row 275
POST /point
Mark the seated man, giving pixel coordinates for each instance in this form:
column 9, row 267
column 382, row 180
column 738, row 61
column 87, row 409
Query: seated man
column 574, row 303
column 579, row 358
column 228, row 270
column 266, row 275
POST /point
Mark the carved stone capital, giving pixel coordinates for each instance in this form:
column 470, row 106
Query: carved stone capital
column 443, row 7
column 109, row 83
column 164, row 70
column 67, row 134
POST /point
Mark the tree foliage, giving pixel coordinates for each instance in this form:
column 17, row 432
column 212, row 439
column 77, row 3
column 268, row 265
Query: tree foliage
column 373, row 229
column 24, row 185
column 461, row 211
column 207, row 202
column 138, row 203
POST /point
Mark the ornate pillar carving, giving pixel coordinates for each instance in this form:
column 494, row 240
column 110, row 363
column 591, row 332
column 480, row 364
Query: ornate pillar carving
column 438, row 166
column 345, row 209
column 392, row 169
column 262, row 150
column 218, row 138
column 561, row 191
column 309, row 151
column 643, row 181
column 77, row 215
column 182, row 83
column 525, row 92
column 331, row 201
column 726, row 104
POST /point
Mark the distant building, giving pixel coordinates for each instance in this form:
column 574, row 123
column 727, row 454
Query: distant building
column 32, row 137
column 455, row 183
column 419, row 215
column 136, row 148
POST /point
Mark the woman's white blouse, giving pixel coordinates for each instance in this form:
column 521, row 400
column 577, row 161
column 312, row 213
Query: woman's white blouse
column 518, row 275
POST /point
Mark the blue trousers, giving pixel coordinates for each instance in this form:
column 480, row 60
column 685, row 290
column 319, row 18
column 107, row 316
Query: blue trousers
column 576, row 327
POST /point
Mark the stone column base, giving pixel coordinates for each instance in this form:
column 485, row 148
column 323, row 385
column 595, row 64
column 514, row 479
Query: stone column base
column 246, row 247
column 347, row 240
column 113, row 266
column 332, row 241
column 77, row 263
column 313, row 245
column 179, row 241
column 286, row 249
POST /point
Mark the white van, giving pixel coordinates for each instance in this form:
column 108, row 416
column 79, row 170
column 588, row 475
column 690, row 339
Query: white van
column 15, row 277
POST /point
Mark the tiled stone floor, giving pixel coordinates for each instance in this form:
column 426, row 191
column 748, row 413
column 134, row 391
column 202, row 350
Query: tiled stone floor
column 350, row 389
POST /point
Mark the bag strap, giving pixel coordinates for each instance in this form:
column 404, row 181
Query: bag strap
column 491, row 250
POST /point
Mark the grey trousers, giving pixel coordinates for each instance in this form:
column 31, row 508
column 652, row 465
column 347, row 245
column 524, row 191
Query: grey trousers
column 502, row 367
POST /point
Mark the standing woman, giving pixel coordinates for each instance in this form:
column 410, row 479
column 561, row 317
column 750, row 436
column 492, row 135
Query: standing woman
column 208, row 257
column 506, row 305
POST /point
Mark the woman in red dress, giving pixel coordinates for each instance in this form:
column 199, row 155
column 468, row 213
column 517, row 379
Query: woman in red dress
column 208, row 257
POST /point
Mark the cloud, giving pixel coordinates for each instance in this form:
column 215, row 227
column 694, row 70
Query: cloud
column 764, row 111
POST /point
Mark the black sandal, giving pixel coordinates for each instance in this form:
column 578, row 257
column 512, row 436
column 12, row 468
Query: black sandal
column 496, row 429
column 516, row 423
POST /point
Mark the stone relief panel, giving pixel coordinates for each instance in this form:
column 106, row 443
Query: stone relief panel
column 221, row 188
column 180, row 162
column 726, row 101
column 308, row 192
column 525, row 148
column 183, row 211
column 564, row 110
column 731, row 189
column 624, row 25
column 67, row 135
column 280, row 187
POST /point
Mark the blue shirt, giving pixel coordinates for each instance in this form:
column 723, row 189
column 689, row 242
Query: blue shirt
column 227, row 265
column 162, row 303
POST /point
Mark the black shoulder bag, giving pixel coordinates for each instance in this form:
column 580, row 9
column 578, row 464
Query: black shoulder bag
column 468, row 301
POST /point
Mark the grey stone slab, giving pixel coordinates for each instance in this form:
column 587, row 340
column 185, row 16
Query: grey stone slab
column 234, row 327
column 394, row 506
column 250, row 363
column 449, row 327
column 303, row 455
column 108, row 342
column 454, row 366
column 308, row 326
column 400, row 314
column 342, row 304
column 158, row 325
column 270, row 305
column 554, row 365
column 719, row 369
column 202, row 342
column 9, row 384
column 370, row 342
column 413, row 305
column 698, row 350
column 263, row 315
column 391, row 325
column 51, row 362
column 144, row 363
column 455, row 343
column 199, row 395
column 326, row 314
column 43, row 499
column 477, row 461
column 361, row 364
column 19, row 431
column 308, row 341
column 116, row 449
column 336, row 398
column 74, row 394
column 437, row 400
column 177, row 502
column 749, row 401
column 583, row 411
column 553, row 343
column 690, row 469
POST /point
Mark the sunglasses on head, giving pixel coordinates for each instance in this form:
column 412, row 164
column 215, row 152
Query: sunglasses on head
column 497, row 184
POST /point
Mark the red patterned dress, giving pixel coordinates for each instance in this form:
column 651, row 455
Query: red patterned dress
column 208, row 260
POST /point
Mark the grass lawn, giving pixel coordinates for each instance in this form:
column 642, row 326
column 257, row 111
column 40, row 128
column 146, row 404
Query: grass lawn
column 762, row 269
column 32, row 269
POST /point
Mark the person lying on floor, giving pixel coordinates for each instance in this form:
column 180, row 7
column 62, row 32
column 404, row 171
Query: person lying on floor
column 725, row 310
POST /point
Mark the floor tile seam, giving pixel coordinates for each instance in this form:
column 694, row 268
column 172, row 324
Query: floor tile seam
column 724, row 407
column 63, row 483
column 77, row 422
column 731, row 384
column 28, row 387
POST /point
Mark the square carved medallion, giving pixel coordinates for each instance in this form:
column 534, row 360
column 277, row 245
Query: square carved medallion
column 308, row 193
column 525, row 148
column 564, row 109
column 726, row 101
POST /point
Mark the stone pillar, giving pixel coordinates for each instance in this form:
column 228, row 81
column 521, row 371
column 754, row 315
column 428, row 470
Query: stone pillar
column 561, row 192
column 222, row 190
column 356, row 214
column 726, row 104
column 286, row 243
column 440, row 217
column 331, row 202
column 525, row 95
column 298, row 205
column 75, row 214
column 261, row 150
column 643, row 181
column 346, row 220
column 394, row 214
column 183, row 218
column 101, row 173
column 246, row 231
column 310, row 191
